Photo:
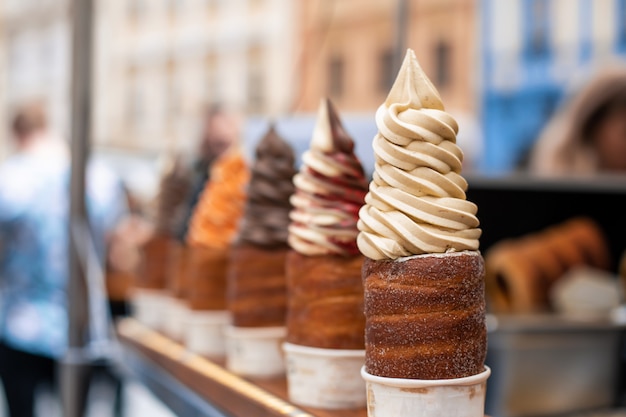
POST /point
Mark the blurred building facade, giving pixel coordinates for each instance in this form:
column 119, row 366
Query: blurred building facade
column 172, row 58
column 34, row 61
column 347, row 50
column 157, row 65
column 533, row 51
column 350, row 53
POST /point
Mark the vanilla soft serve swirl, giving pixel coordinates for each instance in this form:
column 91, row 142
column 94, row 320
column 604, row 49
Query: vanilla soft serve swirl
column 416, row 203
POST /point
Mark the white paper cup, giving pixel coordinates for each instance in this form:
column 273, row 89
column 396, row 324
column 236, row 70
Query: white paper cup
column 325, row 378
column 397, row 397
column 147, row 307
column 175, row 318
column 204, row 332
column 255, row 351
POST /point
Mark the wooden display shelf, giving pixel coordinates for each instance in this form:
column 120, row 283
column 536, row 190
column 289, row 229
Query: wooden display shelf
column 231, row 395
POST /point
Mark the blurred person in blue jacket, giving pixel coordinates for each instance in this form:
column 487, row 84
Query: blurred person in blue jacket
column 34, row 215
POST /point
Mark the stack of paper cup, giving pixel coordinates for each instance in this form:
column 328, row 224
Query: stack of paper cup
column 396, row 397
column 325, row 378
column 204, row 332
column 255, row 351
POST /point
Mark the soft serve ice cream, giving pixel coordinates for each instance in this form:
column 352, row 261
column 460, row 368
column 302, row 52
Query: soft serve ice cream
column 416, row 203
column 266, row 217
column 423, row 276
column 330, row 189
column 216, row 217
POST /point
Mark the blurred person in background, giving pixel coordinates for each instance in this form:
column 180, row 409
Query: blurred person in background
column 218, row 128
column 587, row 135
column 34, row 217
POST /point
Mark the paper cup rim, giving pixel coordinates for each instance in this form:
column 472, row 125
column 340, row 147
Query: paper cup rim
column 315, row 351
column 174, row 300
column 422, row 383
column 208, row 316
column 256, row 332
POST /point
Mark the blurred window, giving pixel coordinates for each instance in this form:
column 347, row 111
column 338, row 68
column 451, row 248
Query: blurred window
column 175, row 6
column 212, row 7
column 211, row 81
column 172, row 107
column 255, row 91
column 47, row 55
column 335, row 77
column 137, row 108
column 537, row 28
column 256, row 81
column 442, row 64
column 386, row 71
column 255, row 5
column 136, row 8
column 135, row 111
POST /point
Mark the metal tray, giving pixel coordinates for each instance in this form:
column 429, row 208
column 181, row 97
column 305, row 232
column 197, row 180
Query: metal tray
column 549, row 365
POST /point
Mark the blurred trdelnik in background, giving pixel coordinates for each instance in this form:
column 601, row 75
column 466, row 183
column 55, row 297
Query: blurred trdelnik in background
column 503, row 67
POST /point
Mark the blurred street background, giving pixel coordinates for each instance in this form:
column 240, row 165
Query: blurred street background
column 503, row 68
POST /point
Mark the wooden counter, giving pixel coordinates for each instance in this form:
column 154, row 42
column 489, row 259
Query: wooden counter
column 225, row 394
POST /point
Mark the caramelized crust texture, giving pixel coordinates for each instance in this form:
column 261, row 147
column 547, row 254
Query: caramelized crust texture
column 154, row 262
column 177, row 276
column 520, row 272
column 257, row 287
column 207, row 271
column 325, row 301
column 425, row 316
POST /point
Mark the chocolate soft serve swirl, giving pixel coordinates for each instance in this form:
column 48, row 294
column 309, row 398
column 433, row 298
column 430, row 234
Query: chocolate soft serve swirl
column 330, row 189
column 416, row 203
column 266, row 217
